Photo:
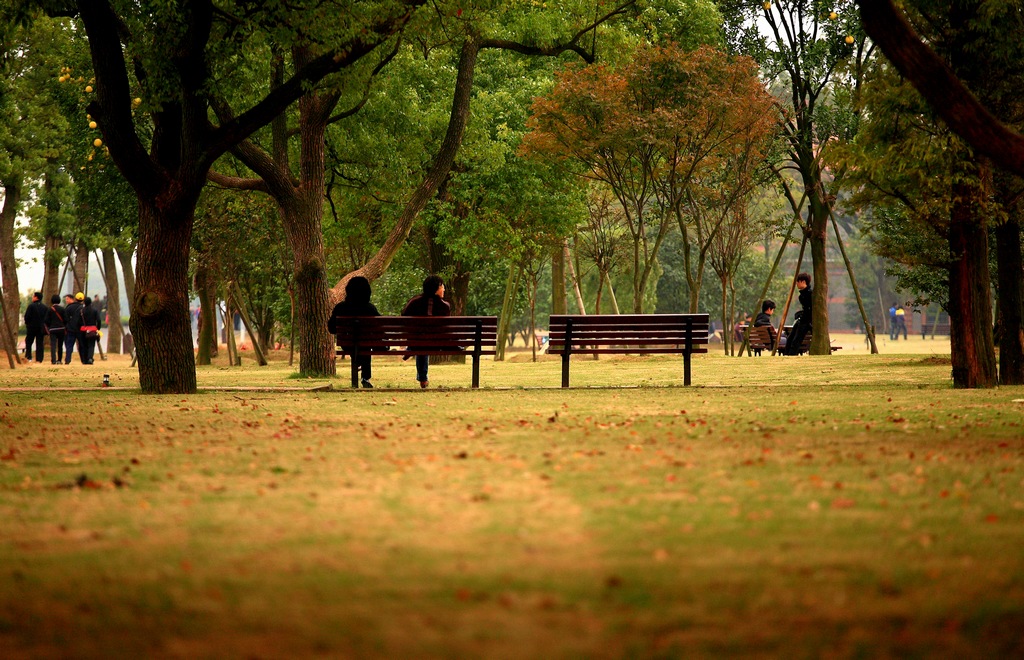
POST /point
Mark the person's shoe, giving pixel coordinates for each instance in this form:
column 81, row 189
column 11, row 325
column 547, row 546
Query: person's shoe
column 424, row 383
column 366, row 383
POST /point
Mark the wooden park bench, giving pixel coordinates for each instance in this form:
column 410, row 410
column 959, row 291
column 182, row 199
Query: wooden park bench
column 416, row 335
column 761, row 339
column 628, row 333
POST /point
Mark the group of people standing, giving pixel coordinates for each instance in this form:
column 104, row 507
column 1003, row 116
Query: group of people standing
column 357, row 303
column 76, row 323
column 897, row 322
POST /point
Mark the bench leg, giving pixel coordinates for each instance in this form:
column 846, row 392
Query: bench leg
column 565, row 369
column 476, row 370
column 686, row 369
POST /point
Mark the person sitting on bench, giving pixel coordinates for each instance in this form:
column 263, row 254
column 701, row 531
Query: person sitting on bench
column 764, row 319
column 356, row 303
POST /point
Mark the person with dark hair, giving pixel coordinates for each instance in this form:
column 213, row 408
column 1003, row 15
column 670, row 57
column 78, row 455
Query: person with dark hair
column 89, row 331
column 55, row 326
column 356, row 303
column 901, row 323
column 765, row 319
column 802, row 323
column 72, row 322
column 35, row 327
column 429, row 303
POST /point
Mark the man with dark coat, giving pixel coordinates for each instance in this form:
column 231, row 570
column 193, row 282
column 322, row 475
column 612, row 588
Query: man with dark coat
column 72, row 322
column 429, row 303
column 764, row 319
column 802, row 325
column 35, row 321
column 55, row 326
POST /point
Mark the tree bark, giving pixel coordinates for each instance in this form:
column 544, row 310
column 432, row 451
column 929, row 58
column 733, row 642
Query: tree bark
column 1010, row 275
column 817, row 238
column 80, row 271
column 160, row 321
column 53, row 253
column 8, row 267
column 128, row 273
column 559, row 300
column 205, row 287
column 970, row 307
column 114, row 330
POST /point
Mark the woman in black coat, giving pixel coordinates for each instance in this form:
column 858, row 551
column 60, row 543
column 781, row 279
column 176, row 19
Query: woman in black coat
column 356, row 303
column 55, row 324
column 429, row 303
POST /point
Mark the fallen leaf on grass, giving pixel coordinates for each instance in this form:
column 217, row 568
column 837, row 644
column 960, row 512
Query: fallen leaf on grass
column 842, row 503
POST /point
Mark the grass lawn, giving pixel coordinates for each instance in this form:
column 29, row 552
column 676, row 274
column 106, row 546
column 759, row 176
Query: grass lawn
column 852, row 505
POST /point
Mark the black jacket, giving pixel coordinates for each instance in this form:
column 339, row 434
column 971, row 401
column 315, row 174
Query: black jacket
column 346, row 308
column 762, row 319
column 427, row 306
column 55, row 317
column 804, row 315
column 91, row 316
column 35, row 316
column 73, row 316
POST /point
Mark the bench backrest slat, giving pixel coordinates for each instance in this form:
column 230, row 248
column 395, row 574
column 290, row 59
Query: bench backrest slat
column 629, row 333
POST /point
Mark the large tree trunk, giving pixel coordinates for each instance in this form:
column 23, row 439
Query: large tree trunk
column 8, row 267
column 312, row 300
column 1010, row 275
column 80, row 269
column 818, row 237
column 128, row 273
column 160, row 321
column 206, row 289
column 970, row 307
column 559, row 300
column 53, row 256
column 114, row 330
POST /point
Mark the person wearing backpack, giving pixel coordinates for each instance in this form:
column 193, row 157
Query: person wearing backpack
column 88, row 331
column 72, row 322
column 55, row 327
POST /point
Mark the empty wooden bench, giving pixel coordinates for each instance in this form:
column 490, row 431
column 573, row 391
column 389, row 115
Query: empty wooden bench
column 685, row 334
column 416, row 335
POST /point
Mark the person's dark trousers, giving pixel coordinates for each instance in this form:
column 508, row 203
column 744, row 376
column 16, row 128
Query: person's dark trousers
column 86, row 345
column 902, row 327
column 37, row 339
column 422, row 362
column 365, row 367
column 796, row 338
column 69, row 345
column 56, row 346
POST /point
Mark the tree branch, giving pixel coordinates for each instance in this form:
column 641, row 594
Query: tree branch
column 937, row 83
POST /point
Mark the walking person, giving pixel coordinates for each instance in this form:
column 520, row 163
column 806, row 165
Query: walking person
column 356, row 303
column 55, row 326
column 901, row 323
column 892, row 322
column 88, row 331
column 429, row 303
column 72, row 322
column 35, row 327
